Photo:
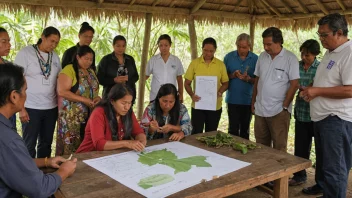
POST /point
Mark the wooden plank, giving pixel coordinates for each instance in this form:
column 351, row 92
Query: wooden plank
column 302, row 6
column 276, row 11
column 192, row 38
column 341, row 5
column 198, row 5
column 281, row 187
column 144, row 59
column 287, row 7
column 321, row 6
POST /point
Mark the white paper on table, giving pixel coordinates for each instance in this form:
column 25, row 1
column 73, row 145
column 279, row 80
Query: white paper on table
column 126, row 169
column 207, row 90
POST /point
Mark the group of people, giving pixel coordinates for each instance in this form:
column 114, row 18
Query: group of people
column 44, row 92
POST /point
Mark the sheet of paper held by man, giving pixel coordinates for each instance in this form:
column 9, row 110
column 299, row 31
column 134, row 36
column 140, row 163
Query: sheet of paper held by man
column 206, row 89
column 165, row 169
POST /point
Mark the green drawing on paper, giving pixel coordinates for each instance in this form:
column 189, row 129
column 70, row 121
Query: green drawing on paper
column 155, row 180
column 168, row 158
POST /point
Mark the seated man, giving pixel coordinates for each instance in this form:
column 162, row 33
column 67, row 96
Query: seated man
column 19, row 173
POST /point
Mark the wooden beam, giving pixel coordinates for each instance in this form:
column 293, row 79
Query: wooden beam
column 341, row 5
column 287, row 7
column 100, row 1
column 198, row 5
column 144, row 59
column 321, row 6
column 276, row 11
column 132, row 2
column 172, row 3
column 302, row 6
column 155, row 3
column 265, row 8
column 237, row 5
column 252, row 32
column 192, row 37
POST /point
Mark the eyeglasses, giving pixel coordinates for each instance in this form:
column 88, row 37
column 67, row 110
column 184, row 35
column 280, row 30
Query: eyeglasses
column 323, row 35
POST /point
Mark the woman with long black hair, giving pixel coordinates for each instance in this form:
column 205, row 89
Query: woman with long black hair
column 113, row 124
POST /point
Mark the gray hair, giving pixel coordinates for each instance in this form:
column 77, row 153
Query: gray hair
column 335, row 22
column 244, row 37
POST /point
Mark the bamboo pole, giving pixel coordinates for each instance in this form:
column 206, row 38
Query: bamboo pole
column 192, row 37
column 144, row 59
column 252, row 32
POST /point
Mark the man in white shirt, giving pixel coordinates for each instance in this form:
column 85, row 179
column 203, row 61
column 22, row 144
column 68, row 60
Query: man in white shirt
column 331, row 109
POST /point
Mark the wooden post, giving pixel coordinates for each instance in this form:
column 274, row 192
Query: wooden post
column 192, row 37
column 252, row 31
column 144, row 59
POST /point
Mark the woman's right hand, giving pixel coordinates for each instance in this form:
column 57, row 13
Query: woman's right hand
column 88, row 102
column 67, row 168
column 195, row 98
column 120, row 79
column 24, row 117
column 154, row 125
column 135, row 145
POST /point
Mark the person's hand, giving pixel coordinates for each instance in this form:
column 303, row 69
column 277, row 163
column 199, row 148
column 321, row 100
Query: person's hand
column 166, row 128
column 24, row 117
column 96, row 100
column 68, row 167
column 308, row 93
column 56, row 161
column 195, row 98
column 252, row 108
column 88, row 102
column 219, row 94
column 181, row 98
column 177, row 136
column 236, row 74
column 120, row 79
column 135, row 145
column 154, row 125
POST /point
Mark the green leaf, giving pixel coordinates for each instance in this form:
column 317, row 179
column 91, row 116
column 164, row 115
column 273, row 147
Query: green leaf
column 155, row 157
column 198, row 161
column 155, row 180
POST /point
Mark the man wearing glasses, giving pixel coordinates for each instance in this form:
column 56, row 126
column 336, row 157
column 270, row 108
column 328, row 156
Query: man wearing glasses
column 331, row 109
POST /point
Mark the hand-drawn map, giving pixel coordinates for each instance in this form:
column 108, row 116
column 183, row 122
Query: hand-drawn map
column 165, row 169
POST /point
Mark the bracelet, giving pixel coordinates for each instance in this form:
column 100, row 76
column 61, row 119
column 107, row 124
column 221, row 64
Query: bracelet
column 46, row 162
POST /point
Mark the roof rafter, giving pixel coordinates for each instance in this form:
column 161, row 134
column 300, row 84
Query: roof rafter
column 198, row 5
column 265, row 8
column 288, row 8
column 155, row 3
column 302, row 6
column 237, row 5
column 321, row 6
column 341, row 5
column 132, row 2
column 276, row 11
column 172, row 3
column 100, row 1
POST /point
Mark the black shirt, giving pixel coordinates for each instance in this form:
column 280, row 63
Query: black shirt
column 69, row 56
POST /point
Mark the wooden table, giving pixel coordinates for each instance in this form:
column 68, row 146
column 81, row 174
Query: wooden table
column 267, row 165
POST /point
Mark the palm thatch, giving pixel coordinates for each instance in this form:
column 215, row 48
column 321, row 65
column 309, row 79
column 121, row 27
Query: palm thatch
column 298, row 14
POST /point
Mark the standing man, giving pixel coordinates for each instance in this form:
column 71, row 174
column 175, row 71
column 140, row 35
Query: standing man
column 277, row 74
column 240, row 66
column 331, row 109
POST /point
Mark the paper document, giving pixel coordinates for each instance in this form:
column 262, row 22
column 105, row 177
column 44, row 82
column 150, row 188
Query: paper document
column 207, row 90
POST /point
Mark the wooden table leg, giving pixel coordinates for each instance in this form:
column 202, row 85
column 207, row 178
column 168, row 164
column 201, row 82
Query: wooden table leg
column 281, row 188
column 58, row 194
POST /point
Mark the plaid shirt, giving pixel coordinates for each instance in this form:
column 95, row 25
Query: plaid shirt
column 302, row 110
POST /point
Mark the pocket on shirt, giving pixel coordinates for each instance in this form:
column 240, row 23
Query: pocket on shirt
column 279, row 75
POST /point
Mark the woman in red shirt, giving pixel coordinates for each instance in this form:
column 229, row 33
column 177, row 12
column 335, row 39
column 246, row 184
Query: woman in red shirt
column 113, row 125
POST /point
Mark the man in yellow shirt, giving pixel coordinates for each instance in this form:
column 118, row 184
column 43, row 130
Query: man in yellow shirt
column 206, row 65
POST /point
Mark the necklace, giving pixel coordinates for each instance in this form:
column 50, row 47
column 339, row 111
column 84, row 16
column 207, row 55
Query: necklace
column 45, row 67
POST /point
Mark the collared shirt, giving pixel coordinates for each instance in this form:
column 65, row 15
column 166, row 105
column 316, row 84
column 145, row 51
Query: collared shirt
column 163, row 73
column 198, row 67
column 334, row 70
column 19, row 175
column 302, row 110
column 274, row 81
column 69, row 55
column 239, row 91
column 185, row 121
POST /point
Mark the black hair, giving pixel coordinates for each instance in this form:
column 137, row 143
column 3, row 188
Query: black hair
column 118, row 91
column 119, row 38
column 81, row 51
column 85, row 27
column 311, row 46
column 275, row 33
column 174, row 113
column 47, row 32
column 11, row 79
column 336, row 22
column 164, row 37
column 209, row 40
column 2, row 30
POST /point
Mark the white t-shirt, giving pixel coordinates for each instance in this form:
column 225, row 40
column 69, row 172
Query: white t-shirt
column 40, row 95
column 274, row 81
column 163, row 72
column 334, row 70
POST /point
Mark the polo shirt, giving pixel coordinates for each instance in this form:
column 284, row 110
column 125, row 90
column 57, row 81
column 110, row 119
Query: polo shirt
column 39, row 95
column 239, row 91
column 163, row 73
column 274, row 81
column 334, row 70
column 216, row 67
column 19, row 174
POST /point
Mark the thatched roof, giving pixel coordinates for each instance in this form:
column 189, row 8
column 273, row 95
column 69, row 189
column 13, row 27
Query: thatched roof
column 282, row 13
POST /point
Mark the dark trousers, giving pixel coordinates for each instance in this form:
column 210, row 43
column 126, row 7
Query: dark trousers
column 333, row 143
column 40, row 127
column 304, row 132
column 240, row 117
column 205, row 117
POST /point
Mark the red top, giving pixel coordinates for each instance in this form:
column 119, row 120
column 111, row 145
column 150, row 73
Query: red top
column 98, row 132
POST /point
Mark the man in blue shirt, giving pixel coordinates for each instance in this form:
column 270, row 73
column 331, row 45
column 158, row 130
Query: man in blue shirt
column 240, row 65
column 19, row 173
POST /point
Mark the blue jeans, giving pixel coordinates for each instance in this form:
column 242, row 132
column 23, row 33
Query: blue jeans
column 333, row 143
column 40, row 127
